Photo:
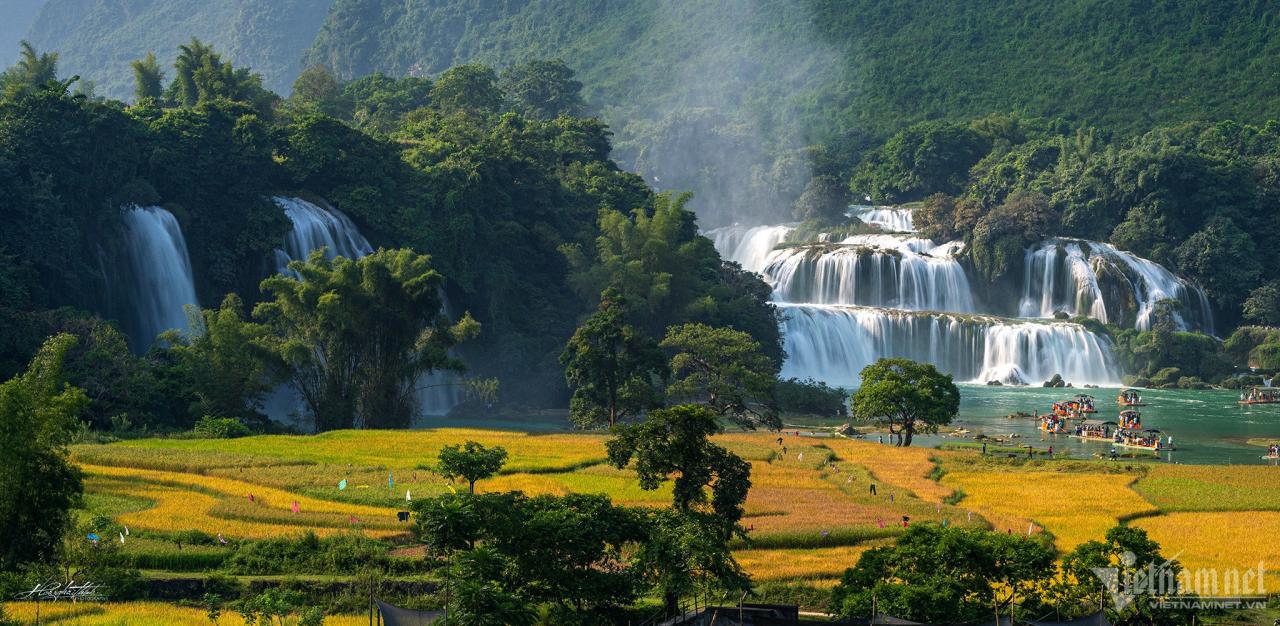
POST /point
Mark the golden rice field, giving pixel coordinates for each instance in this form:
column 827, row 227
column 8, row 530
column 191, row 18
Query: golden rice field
column 1074, row 506
column 1220, row 540
column 1209, row 488
column 810, row 512
column 137, row 614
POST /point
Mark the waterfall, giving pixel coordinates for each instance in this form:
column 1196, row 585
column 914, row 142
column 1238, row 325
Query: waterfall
column 891, row 219
column 1083, row 277
column 160, row 283
column 315, row 228
column 879, row 271
column 748, row 247
column 834, row 343
column 327, row 228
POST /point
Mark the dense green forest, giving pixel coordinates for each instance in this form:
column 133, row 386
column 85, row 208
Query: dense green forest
column 526, row 219
column 738, row 100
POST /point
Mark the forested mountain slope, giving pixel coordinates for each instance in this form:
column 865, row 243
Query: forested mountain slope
column 98, row 38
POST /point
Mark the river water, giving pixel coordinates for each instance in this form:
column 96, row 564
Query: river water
column 1208, row 427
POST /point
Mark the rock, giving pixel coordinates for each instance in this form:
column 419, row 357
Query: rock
column 994, row 383
column 1055, row 382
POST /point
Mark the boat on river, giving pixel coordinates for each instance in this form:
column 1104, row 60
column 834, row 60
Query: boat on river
column 1273, row 452
column 1068, row 409
column 1130, row 419
column 1096, row 430
column 1129, row 397
column 1055, row 424
column 1149, row 439
column 1086, row 403
column 1260, row 395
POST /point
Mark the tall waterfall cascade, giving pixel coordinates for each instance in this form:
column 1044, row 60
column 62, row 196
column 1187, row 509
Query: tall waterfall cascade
column 326, row 228
column 316, row 228
column 892, row 219
column 1095, row 279
column 159, row 282
column 849, row 302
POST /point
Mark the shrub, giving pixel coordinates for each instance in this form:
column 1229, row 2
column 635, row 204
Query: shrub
column 1166, row 376
column 811, row 397
column 211, row 427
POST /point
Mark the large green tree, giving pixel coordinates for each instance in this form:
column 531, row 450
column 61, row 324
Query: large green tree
column 725, row 369
column 357, row 335
column 543, row 89
column 936, row 574
column 229, row 361
column 39, row 414
column 470, row 461
column 906, row 396
column 148, row 78
column 674, row 444
column 615, row 372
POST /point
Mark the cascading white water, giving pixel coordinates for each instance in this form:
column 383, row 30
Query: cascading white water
column 316, row 228
column 879, row 271
column 887, row 273
column 1082, row 277
column 891, row 219
column 160, row 284
column 749, row 247
column 834, row 343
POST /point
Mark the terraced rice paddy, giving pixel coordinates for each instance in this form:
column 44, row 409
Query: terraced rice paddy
column 1221, row 540
column 810, row 511
column 136, row 614
column 1074, row 506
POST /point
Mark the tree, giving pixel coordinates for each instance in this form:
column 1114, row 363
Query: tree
column 318, row 88
column 675, row 442
column 924, row 158
column 468, row 87
column 38, row 485
column 33, row 71
column 687, row 552
column 935, row 574
column 825, row 200
column 1133, row 559
column 148, row 78
column 909, row 397
column 229, row 359
column 614, row 370
column 725, row 369
column 1263, row 305
column 1223, row 259
column 543, row 89
column 471, row 462
column 200, row 75
column 357, row 335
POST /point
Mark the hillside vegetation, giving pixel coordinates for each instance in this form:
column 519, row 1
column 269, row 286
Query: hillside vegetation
column 723, row 98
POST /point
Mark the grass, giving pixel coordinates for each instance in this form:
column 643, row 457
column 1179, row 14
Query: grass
column 767, row 565
column 905, row 468
column 138, row 614
column 1073, row 506
column 810, row 512
column 1212, row 488
column 1220, row 540
column 403, row 449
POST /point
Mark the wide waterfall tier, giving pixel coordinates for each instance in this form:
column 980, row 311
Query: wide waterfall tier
column 833, row 343
column 316, row 228
column 749, row 247
column 872, row 270
column 1095, row 279
column 159, row 282
column 890, row 219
